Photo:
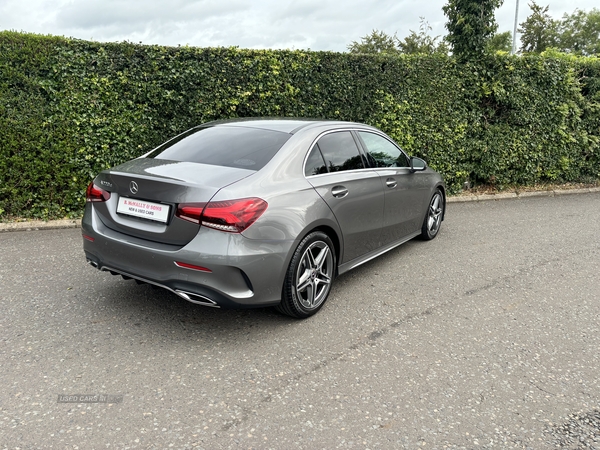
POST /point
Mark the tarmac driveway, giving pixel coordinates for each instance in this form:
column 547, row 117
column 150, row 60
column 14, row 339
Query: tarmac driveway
column 486, row 337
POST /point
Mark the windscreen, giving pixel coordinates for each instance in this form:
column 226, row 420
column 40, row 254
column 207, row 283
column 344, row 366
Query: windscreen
column 246, row 148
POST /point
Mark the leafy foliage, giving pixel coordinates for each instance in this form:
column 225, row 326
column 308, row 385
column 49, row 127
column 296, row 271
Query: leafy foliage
column 580, row 32
column 532, row 128
column 70, row 108
column 539, row 31
column 376, row 42
column 429, row 116
column 421, row 42
column 470, row 25
column 500, row 42
column 413, row 44
column 577, row 33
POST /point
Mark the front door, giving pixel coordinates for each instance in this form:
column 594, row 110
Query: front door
column 404, row 191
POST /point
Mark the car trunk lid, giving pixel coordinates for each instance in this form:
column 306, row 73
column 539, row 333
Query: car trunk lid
column 145, row 194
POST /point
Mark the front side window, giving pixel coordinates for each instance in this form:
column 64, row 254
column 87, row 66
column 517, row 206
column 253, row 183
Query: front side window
column 383, row 152
column 340, row 152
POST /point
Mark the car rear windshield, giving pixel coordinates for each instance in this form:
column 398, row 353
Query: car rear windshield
column 246, row 148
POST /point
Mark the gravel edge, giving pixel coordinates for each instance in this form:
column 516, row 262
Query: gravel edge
column 525, row 194
column 34, row 225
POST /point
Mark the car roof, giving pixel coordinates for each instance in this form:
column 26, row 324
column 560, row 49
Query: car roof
column 289, row 125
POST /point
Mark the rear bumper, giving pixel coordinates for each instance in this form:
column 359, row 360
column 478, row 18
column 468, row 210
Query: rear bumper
column 243, row 272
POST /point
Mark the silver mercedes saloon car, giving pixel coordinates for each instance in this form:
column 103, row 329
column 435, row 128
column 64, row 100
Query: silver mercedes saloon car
column 259, row 212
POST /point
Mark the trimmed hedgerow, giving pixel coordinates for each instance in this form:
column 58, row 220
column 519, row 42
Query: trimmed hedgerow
column 70, row 108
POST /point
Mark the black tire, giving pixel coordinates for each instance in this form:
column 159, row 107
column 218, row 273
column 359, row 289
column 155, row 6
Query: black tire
column 435, row 215
column 309, row 277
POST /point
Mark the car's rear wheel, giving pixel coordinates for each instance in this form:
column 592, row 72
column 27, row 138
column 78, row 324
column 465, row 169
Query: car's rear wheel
column 433, row 218
column 309, row 277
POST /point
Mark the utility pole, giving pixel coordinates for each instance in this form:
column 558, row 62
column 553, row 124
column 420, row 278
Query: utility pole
column 514, row 40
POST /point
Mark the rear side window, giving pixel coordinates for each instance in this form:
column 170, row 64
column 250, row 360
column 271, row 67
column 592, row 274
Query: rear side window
column 340, row 152
column 246, row 148
column 383, row 152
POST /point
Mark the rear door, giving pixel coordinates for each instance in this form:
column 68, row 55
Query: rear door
column 336, row 169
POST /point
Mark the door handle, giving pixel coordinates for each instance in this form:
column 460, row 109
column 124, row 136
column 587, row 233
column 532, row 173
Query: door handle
column 339, row 191
column 391, row 183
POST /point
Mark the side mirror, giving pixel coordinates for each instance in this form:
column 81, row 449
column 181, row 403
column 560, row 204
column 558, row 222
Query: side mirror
column 417, row 164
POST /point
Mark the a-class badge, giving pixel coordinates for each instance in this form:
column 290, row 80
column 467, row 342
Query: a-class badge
column 133, row 187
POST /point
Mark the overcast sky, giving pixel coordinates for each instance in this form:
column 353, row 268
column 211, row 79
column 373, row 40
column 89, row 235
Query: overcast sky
column 299, row 24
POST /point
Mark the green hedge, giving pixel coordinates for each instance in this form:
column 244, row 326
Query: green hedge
column 70, row 108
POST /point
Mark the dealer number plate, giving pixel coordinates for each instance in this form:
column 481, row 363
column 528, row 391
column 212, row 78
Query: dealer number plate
column 143, row 209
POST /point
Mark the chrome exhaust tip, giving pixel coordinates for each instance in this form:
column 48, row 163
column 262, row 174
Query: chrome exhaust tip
column 197, row 299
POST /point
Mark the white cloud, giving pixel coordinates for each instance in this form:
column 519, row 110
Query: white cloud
column 315, row 24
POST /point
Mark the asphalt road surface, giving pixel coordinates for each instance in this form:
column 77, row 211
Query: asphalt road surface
column 486, row 337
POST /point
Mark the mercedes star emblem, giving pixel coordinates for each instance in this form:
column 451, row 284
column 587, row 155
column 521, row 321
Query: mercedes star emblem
column 133, row 187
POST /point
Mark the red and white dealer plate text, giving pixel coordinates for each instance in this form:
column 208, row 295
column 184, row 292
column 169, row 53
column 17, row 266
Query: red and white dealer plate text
column 143, row 209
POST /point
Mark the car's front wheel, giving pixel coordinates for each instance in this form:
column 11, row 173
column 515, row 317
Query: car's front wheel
column 309, row 276
column 433, row 218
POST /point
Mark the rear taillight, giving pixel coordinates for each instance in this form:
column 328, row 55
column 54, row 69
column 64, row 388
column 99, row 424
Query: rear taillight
column 95, row 194
column 192, row 212
column 233, row 216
